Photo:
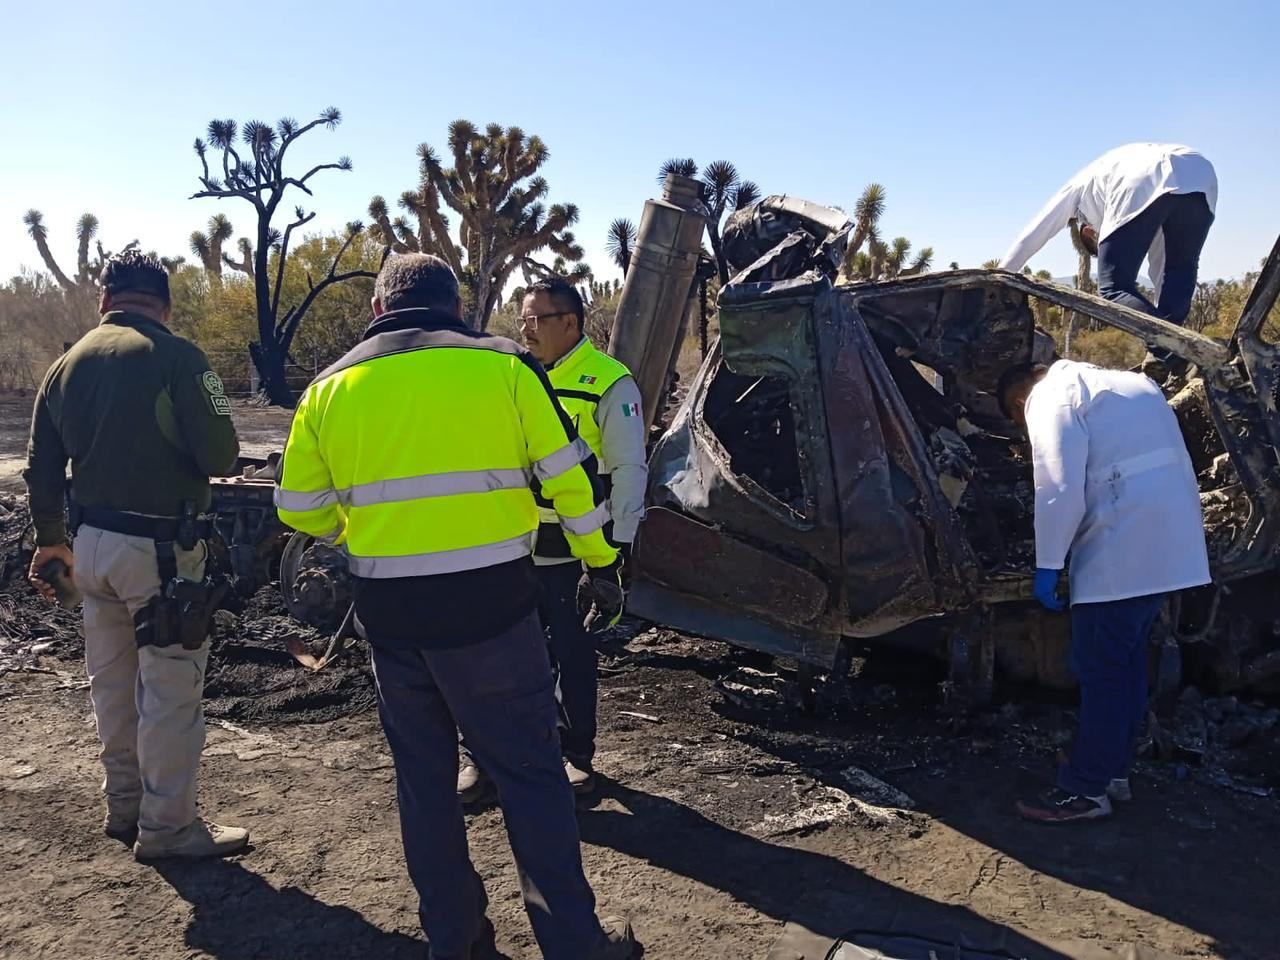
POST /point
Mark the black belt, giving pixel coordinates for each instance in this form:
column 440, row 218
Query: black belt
column 160, row 529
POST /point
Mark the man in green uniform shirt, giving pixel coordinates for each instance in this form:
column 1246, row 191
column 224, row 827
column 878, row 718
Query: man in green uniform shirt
column 144, row 422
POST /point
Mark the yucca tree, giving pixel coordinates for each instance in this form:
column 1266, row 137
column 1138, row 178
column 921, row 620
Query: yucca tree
column 245, row 263
column 248, row 163
column 896, row 256
column 922, row 263
column 208, row 246
column 620, row 242
column 84, row 283
column 866, row 215
column 503, row 221
column 1084, row 283
column 860, row 263
column 86, row 230
column 34, row 221
column 724, row 191
column 684, row 166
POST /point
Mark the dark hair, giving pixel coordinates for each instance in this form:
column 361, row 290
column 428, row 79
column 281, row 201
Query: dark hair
column 563, row 296
column 137, row 273
column 1016, row 377
column 416, row 280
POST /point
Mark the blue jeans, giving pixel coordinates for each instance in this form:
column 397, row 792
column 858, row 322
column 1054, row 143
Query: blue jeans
column 500, row 694
column 573, row 651
column 1109, row 657
column 1185, row 219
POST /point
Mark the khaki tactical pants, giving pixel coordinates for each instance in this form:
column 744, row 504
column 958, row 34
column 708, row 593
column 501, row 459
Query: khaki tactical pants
column 146, row 701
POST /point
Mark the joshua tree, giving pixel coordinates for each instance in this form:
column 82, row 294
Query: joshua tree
column 245, row 263
column 1084, row 283
column 723, row 191
column 87, row 269
column 621, row 241
column 684, row 166
column 896, row 263
column 259, row 178
column 208, row 246
column 867, row 213
column 494, row 190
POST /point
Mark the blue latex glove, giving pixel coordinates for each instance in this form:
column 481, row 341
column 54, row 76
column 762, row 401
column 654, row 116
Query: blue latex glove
column 1046, row 590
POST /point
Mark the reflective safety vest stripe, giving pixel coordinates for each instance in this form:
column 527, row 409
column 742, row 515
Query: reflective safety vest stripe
column 579, row 380
column 418, row 451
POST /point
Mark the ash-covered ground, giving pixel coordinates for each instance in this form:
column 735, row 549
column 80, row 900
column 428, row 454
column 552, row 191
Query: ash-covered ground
column 726, row 811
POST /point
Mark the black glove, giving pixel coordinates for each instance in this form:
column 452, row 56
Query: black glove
column 600, row 595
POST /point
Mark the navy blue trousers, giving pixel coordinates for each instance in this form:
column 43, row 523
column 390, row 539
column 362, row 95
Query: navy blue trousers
column 1185, row 219
column 1109, row 656
column 573, row 651
column 499, row 692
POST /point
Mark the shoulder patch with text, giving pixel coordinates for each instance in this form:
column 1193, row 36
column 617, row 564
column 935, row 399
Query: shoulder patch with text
column 216, row 393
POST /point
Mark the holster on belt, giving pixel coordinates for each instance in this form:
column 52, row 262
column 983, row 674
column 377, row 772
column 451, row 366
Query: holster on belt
column 183, row 609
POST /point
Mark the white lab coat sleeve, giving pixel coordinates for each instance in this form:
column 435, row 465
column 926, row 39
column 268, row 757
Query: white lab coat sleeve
column 622, row 455
column 1155, row 265
column 1048, row 222
column 1059, row 454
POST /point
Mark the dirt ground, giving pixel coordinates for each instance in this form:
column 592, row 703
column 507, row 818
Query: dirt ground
column 725, row 812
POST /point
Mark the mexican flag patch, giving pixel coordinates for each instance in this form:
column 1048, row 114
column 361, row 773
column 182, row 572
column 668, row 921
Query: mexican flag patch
column 631, row 409
column 586, row 379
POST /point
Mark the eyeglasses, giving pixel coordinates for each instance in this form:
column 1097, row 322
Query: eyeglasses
column 531, row 322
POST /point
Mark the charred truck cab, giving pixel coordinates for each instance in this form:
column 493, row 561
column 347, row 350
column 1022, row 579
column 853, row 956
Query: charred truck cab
column 840, row 470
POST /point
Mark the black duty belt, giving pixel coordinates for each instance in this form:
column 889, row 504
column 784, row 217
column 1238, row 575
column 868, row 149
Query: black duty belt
column 160, row 529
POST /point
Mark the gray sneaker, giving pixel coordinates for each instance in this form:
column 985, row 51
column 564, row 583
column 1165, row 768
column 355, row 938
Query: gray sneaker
column 619, row 942
column 474, row 785
column 1119, row 789
column 201, row 839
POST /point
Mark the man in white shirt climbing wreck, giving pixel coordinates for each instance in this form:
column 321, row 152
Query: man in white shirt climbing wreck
column 1152, row 201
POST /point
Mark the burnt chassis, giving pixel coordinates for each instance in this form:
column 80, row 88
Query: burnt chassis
column 252, row 547
column 851, row 537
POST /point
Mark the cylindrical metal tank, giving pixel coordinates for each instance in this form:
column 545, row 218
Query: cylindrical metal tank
column 656, row 293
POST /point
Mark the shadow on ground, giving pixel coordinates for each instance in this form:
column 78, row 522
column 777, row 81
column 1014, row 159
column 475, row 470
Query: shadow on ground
column 224, row 894
column 785, row 883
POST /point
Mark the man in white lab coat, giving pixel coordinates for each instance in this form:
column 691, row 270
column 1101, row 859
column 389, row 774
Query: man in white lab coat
column 1115, row 489
column 1152, row 201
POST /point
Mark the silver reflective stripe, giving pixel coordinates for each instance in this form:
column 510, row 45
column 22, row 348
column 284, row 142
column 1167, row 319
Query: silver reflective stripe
column 587, row 523
column 295, row 501
column 332, row 535
column 434, row 485
column 443, row 561
column 566, row 458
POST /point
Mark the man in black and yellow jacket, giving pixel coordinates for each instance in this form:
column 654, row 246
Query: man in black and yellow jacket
column 600, row 396
column 419, row 452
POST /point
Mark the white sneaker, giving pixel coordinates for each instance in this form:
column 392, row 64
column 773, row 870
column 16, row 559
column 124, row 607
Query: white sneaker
column 1119, row 789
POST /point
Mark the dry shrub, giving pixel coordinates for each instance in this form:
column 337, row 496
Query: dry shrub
column 1109, row 348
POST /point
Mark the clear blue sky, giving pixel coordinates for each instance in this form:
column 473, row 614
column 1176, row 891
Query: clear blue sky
column 970, row 114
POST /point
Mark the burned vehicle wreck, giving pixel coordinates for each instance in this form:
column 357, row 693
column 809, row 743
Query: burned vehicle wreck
column 840, row 471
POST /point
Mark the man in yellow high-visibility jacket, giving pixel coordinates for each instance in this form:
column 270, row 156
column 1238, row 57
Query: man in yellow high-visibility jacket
column 417, row 451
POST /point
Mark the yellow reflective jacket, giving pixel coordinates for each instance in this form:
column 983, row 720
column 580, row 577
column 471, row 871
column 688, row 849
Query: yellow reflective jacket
column 582, row 379
column 421, row 450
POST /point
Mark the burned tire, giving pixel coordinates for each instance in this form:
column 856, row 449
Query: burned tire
column 314, row 581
